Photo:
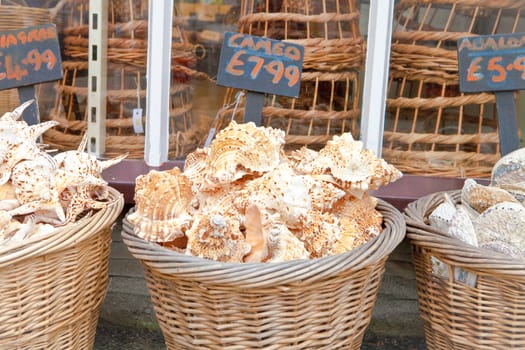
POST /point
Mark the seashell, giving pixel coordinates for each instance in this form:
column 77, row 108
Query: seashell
column 441, row 216
column 354, row 168
column 242, row 149
column 255, row 235
column 281, row 192
column 38, row 184
column 195, row 166
column 462, row 228
column 503, row 248
column 509, row 170
column 359, row 220
column 503, row 222
column 480, row 197
column 162, row 202
column 283, row 245
column 302, row 160
column 320, row 234
column 78, row 163
column 216, row 237
column 8, row 199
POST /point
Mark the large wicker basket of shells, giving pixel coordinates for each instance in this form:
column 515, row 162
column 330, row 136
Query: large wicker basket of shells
column 56, row 213
column 251, row 248
column 468, row 250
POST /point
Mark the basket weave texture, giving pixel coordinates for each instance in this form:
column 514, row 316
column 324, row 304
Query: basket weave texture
column 52, row 286
column 489, row 315
column 323, row 303
column 431, row 128
column 334, row 50
column 126, row 84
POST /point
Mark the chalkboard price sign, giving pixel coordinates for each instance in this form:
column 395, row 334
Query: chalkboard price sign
column 492, row 62
column 29, row 56
column 495, row 63
column 260, row 64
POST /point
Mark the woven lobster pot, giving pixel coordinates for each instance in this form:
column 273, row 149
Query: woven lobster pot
column 431, row 128
column 488, row 314
column 328, row 102
column 302, row 304
column 52, row 285
column 16, row 17
column 126, row 81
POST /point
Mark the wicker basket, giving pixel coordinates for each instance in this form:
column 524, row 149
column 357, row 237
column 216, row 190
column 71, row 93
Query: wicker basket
column 52, row 286
column 302, row 304
column 431, row 128
column 488, row 314
column 328, row 102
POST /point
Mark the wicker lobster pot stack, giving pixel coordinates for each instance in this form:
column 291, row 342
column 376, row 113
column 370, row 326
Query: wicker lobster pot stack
column 431, row 127
column 126, row 81
column 16, row 17
column 52, row 285
column 323, row 303
column 487, row 315
column 328, row 103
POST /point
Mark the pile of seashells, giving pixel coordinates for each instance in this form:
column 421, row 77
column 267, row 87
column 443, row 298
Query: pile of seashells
column 488, row 216
column 38, row 191
column 242, row 199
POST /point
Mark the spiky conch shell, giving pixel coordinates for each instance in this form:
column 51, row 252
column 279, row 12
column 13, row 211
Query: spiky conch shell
column 355, row 169
column 162, row 202
column 359, row 219
column 242, row 149
column 216, row 237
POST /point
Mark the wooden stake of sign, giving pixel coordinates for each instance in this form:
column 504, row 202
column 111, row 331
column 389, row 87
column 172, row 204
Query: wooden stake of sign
column 259, row 65
column 29, row 56
column 495, row 63
column 507, row 121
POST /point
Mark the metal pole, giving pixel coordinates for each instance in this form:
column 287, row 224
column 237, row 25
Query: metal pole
column 376, row 73
column 97, row 77
column 158, row 79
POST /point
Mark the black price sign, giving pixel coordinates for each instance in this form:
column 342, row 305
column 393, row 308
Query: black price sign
column 260, row 64
column 495, row 63
column 29, row 56
column 492, row 62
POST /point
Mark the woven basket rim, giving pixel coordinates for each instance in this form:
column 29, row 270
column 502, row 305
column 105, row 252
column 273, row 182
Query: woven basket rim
column 268, row 274
column 452, row 250
column 65, row 236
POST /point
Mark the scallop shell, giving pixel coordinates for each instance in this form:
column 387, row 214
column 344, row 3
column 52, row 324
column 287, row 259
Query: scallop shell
column 162, row 201
column 216, row 237
column 502, row 222
column 510, row 170
column 242, row 149
column 480, row 197
column 354, row 168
